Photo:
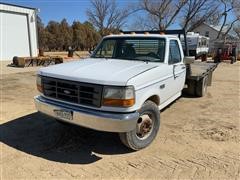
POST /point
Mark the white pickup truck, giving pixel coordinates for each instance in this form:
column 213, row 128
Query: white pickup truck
column 123, row 86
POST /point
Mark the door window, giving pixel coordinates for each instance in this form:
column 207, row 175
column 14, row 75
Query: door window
column 174, row 53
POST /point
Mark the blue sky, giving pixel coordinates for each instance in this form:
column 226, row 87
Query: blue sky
column 70, row 9
column 59, row 9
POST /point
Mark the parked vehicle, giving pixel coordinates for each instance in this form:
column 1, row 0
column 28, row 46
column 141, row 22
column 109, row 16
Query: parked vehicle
column 225, row 51
column 198, row 45
column 123, row 86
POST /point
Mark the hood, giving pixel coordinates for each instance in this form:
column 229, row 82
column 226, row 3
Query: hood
column 98, row 71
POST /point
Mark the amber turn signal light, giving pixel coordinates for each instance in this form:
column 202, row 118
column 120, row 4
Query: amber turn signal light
column 39, row 88
column 119, row 102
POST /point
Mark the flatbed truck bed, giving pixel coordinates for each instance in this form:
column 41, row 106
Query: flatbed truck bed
column 198, row 77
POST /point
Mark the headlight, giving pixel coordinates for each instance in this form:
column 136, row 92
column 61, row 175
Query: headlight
column 119, row 96
column 39, row 83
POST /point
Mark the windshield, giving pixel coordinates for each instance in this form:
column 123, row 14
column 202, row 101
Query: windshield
column 132, row 48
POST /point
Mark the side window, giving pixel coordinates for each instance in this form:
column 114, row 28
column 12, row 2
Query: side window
column 174, row 52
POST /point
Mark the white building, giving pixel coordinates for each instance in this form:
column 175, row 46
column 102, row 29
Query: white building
column 18, row 31
column 212, row 32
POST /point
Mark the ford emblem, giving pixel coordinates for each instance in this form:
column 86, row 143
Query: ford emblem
column 66, row 92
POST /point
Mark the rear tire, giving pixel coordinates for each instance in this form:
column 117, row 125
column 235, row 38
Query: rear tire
column 201, row 87
column 146, row 128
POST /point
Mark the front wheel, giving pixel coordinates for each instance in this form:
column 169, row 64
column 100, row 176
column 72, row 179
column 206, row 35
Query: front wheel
column 146, row 128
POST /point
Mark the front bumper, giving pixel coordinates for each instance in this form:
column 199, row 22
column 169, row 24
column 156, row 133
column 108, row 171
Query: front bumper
column 93, row 119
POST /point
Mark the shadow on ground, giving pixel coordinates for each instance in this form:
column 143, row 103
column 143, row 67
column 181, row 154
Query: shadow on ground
column 41, row 136
column 185, row 94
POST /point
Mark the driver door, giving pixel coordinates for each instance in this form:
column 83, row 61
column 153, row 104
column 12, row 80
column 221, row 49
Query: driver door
column 175, row 61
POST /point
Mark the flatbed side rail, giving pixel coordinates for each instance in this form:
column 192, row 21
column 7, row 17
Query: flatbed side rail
column 199, row 70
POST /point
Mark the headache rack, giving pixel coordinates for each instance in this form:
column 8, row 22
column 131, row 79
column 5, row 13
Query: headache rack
column 177, row 32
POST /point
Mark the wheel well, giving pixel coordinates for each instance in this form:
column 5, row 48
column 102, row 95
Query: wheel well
column 154, row 99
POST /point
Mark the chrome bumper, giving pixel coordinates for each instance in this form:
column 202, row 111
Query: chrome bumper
column 93, row 119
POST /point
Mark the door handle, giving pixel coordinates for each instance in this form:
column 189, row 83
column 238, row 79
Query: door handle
column 174, row 74
column 178, row 73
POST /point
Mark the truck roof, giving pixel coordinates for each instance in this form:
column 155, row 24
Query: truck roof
column 142, row 35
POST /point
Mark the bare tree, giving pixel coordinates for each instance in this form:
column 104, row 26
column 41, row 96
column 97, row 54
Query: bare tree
column 236, row 29
column 229, row 6
column 144, row 23
column 196, row 12
column 231, row 25
column 162, row 13
column 106, row 15
column 215, row 18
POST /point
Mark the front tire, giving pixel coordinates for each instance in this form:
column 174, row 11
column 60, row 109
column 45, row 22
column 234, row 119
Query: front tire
column 146, row 128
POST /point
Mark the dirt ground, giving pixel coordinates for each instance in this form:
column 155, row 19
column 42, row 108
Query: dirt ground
column 198, row 139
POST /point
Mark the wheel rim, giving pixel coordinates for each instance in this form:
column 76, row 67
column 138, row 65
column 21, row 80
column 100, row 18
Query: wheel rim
column 144, row 126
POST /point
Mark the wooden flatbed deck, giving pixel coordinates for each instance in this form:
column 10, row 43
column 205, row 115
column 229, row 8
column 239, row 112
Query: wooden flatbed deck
column 200, row 69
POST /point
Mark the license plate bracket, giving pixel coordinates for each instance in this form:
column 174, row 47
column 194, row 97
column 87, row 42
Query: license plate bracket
column 63, row 114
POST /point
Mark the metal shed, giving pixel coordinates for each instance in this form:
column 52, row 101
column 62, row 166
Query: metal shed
column 18, row 31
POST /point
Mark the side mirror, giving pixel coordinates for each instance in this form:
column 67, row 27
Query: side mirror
column 189, row 59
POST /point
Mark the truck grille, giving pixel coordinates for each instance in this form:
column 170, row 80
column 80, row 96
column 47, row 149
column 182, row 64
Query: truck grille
column 71, row 91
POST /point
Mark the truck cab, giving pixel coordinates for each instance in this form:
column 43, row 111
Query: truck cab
column 120, row 88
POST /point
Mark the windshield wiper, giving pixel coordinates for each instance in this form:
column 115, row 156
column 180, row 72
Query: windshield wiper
column 146, row 60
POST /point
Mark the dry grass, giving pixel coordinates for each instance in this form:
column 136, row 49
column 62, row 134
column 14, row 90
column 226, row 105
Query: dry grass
column 198, row 139
column 64, row 54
